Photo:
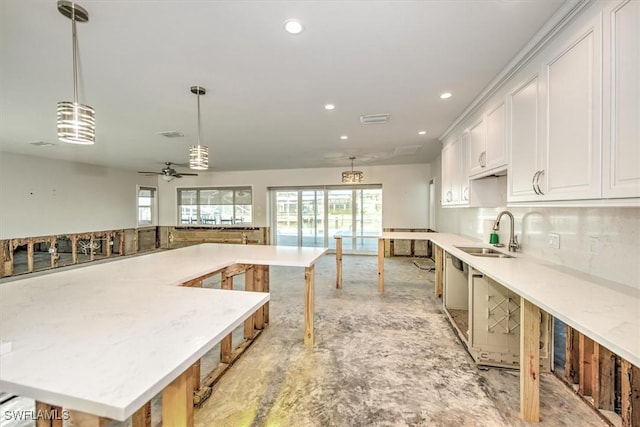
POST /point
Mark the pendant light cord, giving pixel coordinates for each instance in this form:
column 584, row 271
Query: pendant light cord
column 74, row 44
column 199, row 127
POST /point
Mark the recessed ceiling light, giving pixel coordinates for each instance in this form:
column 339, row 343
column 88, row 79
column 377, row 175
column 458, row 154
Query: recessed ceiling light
column 293, row 26
column 445, row 95
column 422, row 132
column 329, row 107
column 344, row 137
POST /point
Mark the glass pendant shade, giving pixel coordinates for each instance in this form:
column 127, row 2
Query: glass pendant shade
column 352, row 177
column 199, row 154
column 199, row 157
column 76, row 123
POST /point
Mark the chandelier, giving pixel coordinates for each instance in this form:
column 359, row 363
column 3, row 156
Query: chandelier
column 352, row 177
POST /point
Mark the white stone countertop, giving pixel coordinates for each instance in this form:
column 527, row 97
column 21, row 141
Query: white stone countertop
column 105, row 338
column 605, row 311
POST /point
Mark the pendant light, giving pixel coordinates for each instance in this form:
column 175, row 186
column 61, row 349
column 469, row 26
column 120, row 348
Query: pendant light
column 352, row 177
column 198, row 154
column 76, row 122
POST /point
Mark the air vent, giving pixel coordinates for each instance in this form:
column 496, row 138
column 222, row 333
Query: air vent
column 372, row 119
column 171, row 134
column 406, row 150
column 42, row 144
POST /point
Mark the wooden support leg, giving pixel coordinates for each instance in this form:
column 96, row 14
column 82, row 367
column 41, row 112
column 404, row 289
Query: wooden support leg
column 381, row 266
column 572, row 356
column 249, row 324
column 52, row 416
column 195, row 374
column 529, row 361
column 603, row 381
column 259, row 287
column 226, row 345
column 586, row 367
column 142, row 417
column 266, row 289
column 630, row 388
column 338, row 262
column 177, row 402
column 309, row 291
column 121, row 243
column 82, row 419
column 439, row 271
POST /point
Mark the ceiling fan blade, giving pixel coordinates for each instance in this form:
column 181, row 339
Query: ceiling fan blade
column 150, row 173
column 188, row 174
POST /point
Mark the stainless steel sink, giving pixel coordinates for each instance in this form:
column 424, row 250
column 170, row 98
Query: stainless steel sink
column 484, row 252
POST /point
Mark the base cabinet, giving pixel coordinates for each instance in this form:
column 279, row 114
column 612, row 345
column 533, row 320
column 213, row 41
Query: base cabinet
column 486, row 317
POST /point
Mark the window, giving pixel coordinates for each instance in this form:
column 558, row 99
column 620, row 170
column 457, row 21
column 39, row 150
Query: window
column 146, row 205
column 215, row 206
column 307, row 216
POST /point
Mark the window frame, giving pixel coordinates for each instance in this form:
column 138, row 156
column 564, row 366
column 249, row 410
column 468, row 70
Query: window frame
column 197, row 220
column 153, row 206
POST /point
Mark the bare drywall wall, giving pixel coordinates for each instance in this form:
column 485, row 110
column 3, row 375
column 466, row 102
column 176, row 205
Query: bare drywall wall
column 44, row 197
column 405, row 190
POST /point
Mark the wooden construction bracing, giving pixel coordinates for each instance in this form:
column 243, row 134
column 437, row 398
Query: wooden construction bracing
column 86, row 244
column 174, row 237
column 412, row 248
column 591, row 369
column 256, row 280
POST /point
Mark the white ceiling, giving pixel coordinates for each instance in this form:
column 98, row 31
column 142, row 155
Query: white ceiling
column 265, row 88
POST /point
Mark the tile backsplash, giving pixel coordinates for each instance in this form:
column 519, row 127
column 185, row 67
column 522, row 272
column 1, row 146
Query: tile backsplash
column 603, row 241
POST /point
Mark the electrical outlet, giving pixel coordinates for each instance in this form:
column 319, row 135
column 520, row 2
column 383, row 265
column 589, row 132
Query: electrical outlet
column 594, row 245
column 553, row 240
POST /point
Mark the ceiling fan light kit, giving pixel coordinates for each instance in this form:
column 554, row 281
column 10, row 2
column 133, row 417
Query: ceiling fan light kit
column 76, row 122
column 198, row 154
column 168, row 173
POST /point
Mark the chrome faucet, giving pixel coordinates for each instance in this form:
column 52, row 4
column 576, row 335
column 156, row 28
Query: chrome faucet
column 513, row 239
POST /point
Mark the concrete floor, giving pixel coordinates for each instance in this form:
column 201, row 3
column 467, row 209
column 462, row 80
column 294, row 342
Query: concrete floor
column 379, row 360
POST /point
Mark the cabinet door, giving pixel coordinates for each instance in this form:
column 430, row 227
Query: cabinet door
column 496, row 147
column 573, row 108
column 523, row 139
column 621, row 167
column 477, row 148
column 451, row 165
column 464, row 168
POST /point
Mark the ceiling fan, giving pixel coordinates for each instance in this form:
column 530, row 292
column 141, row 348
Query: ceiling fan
column 168, row 173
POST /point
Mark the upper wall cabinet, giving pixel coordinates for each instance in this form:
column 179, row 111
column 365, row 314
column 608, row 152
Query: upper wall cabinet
column 525, row 159
column 554, row 123
column 621, row 121
column 572, row 105
column 452, row 155
column 487, row 144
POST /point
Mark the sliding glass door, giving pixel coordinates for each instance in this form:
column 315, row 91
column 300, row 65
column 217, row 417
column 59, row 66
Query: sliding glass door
column 312, row 216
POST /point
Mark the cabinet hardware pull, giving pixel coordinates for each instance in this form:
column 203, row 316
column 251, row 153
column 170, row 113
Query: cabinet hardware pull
column 449, row 197
column 465, row 194
column 533, row 182
column 540, row 173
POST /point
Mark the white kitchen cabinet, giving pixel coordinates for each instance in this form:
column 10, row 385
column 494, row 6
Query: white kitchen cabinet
column 487, row 145
column 621, row 100
column 554, row 123
column 454, row 184
column 525, row 158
